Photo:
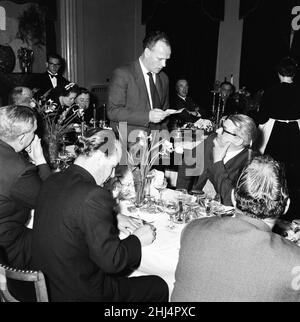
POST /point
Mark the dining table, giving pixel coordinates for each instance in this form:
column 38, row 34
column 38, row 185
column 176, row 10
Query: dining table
column 161, row 257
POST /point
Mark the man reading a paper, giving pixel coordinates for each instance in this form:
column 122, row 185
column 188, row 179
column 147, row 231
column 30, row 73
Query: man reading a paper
column 139, row 92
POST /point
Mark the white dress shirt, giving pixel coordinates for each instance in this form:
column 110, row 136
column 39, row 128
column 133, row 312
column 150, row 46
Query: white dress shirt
column 146, row 77
column 53, row 79
column 230, row 155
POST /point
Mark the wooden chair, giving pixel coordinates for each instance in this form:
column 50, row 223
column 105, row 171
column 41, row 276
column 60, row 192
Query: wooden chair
column 27, row 276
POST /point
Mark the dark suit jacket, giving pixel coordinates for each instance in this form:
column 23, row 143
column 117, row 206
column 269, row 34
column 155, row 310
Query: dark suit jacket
column 222, row 176
column 128, row 99
column 44, row 84
column 236, row 260
column 76, row 241
column 20, row 183
column 178, row 103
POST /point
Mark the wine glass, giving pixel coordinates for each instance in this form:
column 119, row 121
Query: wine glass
column 181, row 197
column 171, row 210
column 160, row 187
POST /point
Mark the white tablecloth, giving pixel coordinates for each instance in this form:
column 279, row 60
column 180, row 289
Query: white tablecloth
column 161, row 257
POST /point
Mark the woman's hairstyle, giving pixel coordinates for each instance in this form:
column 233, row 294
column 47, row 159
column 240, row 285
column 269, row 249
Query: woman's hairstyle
column 14, row 121
column 287, row 67
column 261, row 191
column 66, row 90
column 247, row 128
column 82, row 90
column 20, row 95
column 97, row 139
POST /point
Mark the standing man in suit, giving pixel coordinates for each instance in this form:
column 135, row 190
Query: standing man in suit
column 132, row 98
column 52, row 78
column 20, row 181
column 240, row 259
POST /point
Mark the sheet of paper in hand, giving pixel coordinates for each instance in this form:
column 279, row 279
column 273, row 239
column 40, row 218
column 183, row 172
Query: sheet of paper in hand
column 171, row 111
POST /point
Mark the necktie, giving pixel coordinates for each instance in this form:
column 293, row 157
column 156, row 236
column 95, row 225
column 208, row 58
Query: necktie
column 154, row 92
column 52, row 76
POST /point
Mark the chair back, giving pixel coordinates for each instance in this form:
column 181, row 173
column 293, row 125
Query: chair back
column 36, row 277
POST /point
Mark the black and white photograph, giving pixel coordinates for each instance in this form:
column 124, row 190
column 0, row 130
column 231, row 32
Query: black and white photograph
column 149, row 154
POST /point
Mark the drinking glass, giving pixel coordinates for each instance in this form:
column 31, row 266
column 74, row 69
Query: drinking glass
column 171, row 210
column 160, row 187
column 148, row 197
column 181, row 195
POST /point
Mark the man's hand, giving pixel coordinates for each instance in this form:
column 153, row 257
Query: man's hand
column 127, row 224
column 156, row 115
column 35, row 151
column 219, row 150
column 146, row 234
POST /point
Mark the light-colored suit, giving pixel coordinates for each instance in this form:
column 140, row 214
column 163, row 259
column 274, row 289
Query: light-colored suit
column 235, row 260
column 128, row 99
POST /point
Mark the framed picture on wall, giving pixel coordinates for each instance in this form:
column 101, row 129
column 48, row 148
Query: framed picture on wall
column 23, row 35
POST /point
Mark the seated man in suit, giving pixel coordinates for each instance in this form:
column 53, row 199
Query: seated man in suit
column 20, row 181
column 226, row 153
column 22, row 95
column 51, row 78
column 181, row 100
column 231, row 105
column 239, row 258
column 76, row 238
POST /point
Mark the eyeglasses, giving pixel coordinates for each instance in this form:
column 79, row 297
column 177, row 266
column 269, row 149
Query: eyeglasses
column 224, row 129
column 52, row 64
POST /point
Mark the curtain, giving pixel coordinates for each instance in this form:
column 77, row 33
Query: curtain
column 193, row 27
column 266, row 40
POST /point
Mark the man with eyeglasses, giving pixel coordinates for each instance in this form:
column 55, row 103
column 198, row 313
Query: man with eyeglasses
column 226, row 153
column 51, row 78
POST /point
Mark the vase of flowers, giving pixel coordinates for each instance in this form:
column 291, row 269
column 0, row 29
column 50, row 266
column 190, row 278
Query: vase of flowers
column 57, row 124
column 142, row 155
column 53, row 148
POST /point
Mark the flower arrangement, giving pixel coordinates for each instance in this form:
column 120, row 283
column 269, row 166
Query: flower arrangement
column 56, row 123
column 204, row 124
column 142, row 155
